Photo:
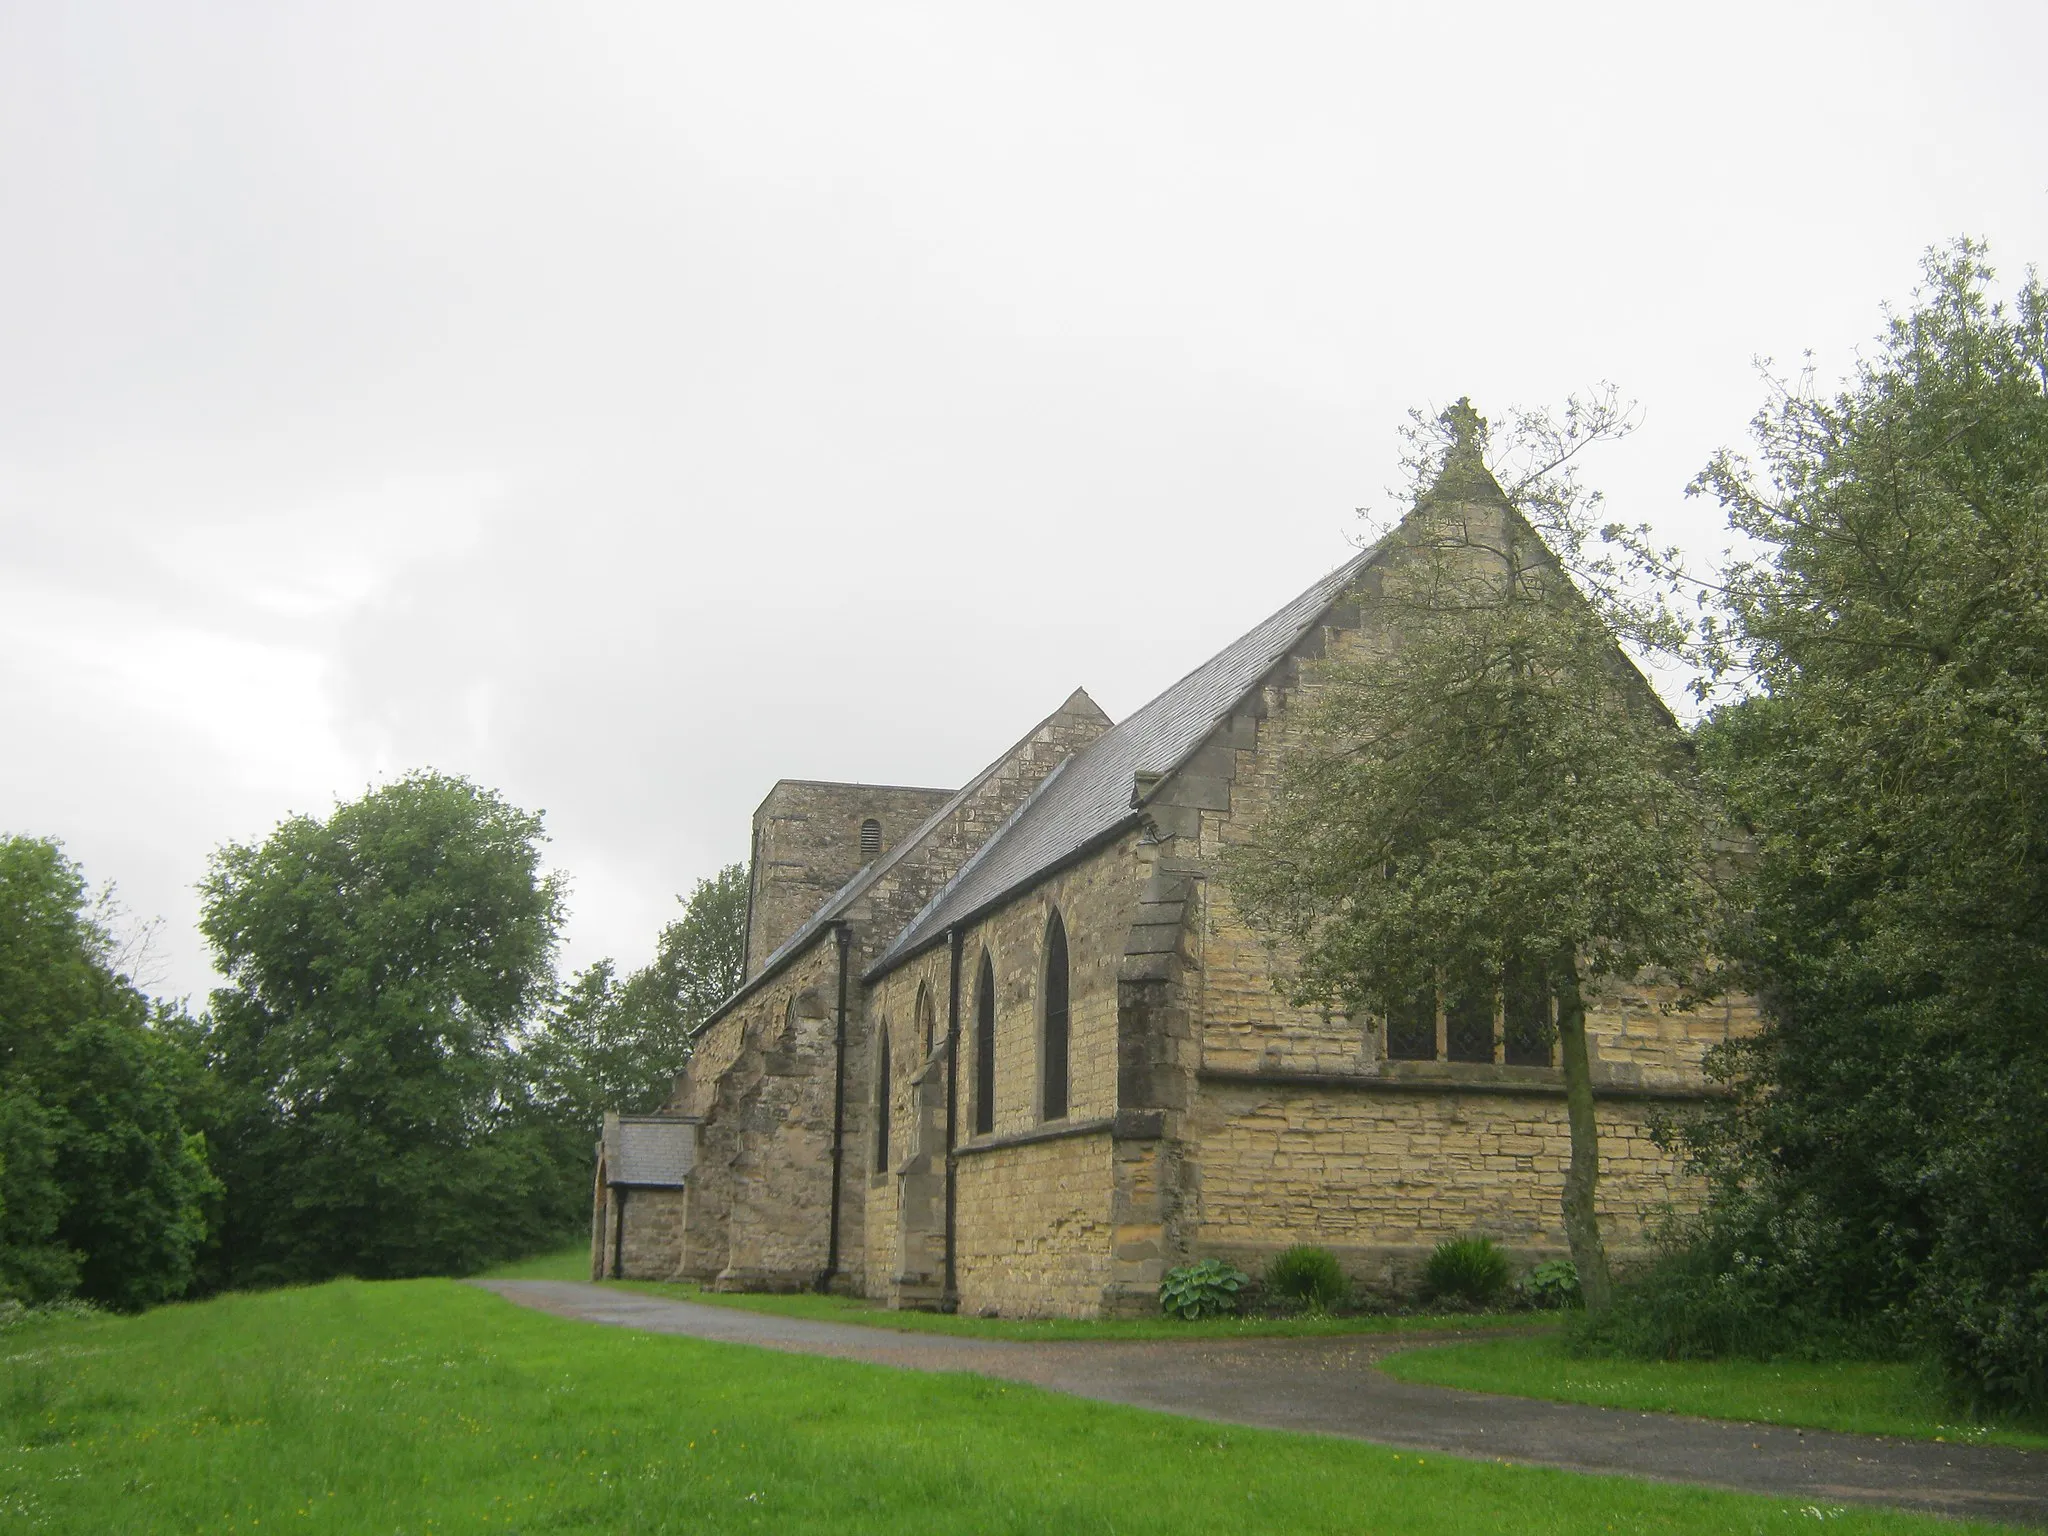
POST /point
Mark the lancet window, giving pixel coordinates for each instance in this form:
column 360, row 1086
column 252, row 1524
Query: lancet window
column 985, row 1048
column 1054, row 1038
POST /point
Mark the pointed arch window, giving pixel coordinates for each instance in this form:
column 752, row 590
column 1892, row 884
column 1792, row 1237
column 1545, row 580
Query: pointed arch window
column 1525, row 1015
column 882, row 1096
column 927, row 1026
column 1468, row 1019
column 1411, row 1029
column 1054, row 1039
column 1504, row 1016
column 985, row 1048
column 870, row 839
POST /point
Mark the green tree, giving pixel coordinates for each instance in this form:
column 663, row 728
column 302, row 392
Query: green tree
column 103, row 1188
column 618, row 1043
column 1886, row 1154
column 381, row 965
column 698, row 961
column 1493, row 801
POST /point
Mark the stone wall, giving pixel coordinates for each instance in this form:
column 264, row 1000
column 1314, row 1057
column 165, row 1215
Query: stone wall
column 880, row 1229
column 1095, row 899
column 1378, row 1160
column 761, row 1079
column 1247, row 1022
column 653, row 1235
column 905, row 1219
column 1635, row 1035
column 1054, row 1200
column 654, row 1231
column 1035, row 1227
column 1381, row 1175
column 904, row 1258
column 762, row 1075
column 1637, row 1038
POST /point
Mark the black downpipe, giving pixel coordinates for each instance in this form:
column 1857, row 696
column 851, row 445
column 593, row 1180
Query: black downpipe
column 618, row 1231
column 838, row 1109
column 950, row 1300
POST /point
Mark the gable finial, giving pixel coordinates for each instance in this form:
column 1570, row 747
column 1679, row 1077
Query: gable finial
column 1468, row 431
column 1464, row 472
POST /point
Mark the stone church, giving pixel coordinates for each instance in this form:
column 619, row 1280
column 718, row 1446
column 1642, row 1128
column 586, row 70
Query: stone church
column 1007, row 1048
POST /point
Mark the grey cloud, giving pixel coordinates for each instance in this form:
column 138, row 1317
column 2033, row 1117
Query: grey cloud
column 629, row 405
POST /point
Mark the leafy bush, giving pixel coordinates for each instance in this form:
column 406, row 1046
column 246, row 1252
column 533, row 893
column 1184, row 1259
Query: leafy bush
column 1467, row 1269
column 1308, row 1275
column 1991, row 1345
column 1206, row 1288
column 1883, row 1145
column 1706, row 1301
column 1552, row 1284
column 106, row 1185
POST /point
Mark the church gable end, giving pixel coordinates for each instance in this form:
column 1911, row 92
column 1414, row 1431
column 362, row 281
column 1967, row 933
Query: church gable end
column 1021, row 1055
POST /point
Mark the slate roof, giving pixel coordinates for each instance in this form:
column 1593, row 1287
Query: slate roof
column 649, row 1151
column 1089, row 795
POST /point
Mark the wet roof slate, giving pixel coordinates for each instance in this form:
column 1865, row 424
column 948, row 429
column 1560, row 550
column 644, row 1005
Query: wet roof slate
column 649, row 1151
column 1089, row 795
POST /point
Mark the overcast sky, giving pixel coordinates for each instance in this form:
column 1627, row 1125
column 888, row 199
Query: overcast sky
column 629, row 406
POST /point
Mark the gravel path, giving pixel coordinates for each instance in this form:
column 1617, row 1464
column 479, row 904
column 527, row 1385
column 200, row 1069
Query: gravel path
column 1328, row 1386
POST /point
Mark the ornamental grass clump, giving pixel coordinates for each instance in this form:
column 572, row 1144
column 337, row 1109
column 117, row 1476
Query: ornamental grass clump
column 1309, row 1277
column 1206, row 1288
column 1471, row 1270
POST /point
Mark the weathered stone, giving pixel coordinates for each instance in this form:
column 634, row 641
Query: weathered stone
column 765, row 1076
column 1205, row 1114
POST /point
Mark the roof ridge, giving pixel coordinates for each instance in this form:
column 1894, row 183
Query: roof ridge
column 1261, row 647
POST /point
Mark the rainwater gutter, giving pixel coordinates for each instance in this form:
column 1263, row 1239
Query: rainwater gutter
column 949, row 1299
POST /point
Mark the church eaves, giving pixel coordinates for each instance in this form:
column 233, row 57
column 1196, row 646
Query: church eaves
column 1094, row 794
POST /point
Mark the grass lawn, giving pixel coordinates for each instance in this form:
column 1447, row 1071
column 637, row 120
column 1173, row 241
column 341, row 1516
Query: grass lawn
column 1866, row 1398
column 570, row 1263
column 854, row 1309
column 428, row 1406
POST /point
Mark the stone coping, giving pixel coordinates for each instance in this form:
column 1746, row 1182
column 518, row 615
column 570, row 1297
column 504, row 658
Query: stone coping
column 1060, row 1130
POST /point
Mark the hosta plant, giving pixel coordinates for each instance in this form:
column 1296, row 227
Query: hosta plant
column 1553, row 1283
column 1206, row 1288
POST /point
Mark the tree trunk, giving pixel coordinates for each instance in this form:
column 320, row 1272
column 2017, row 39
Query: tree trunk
column 1581, row 1180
